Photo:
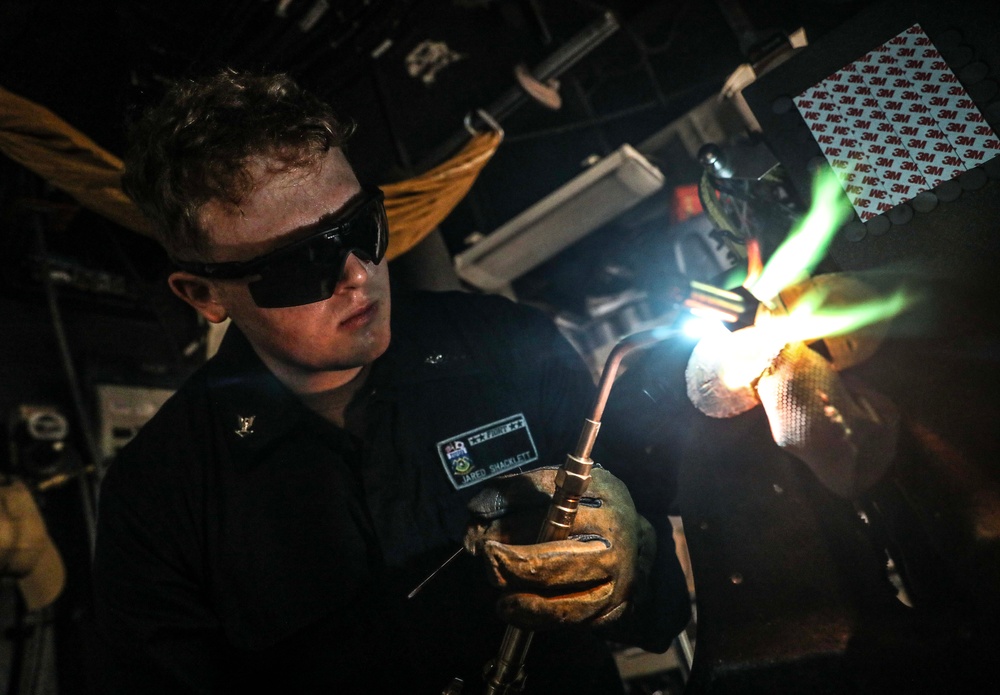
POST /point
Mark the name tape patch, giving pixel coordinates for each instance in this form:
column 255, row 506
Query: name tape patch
column 485, row 452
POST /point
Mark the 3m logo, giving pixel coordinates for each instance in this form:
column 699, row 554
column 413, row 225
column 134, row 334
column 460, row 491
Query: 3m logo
column 899, row 98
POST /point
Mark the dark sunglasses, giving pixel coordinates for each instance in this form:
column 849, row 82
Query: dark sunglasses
column 307, row 270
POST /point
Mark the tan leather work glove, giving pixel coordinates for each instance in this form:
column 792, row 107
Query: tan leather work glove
column 845, row 432
column 593, row 578
column 26, row 549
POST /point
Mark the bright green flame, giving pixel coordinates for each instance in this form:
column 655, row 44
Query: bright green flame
column 809, row 320
column 750, row 351
column 806, row 245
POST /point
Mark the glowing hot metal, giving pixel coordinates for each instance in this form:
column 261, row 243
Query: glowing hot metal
column 794, row 307
column 846, row 436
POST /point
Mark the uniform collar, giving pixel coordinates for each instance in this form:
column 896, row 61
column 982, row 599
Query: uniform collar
column 425, row 344
column 254, row 407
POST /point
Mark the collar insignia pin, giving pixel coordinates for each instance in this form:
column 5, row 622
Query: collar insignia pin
column 246, row 425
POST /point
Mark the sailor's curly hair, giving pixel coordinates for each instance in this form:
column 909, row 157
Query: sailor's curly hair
column 196, row 145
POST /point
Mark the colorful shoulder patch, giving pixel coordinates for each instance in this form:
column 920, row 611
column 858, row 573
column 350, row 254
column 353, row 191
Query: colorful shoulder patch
column 485, row 452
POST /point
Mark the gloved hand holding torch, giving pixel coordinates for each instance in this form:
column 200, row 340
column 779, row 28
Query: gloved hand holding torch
column 596, row 577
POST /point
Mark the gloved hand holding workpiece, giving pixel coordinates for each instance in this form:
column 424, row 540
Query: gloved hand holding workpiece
column 844, row 431
column 595, row 577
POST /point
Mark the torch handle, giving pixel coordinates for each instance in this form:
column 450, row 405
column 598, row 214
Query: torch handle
column 505, row 674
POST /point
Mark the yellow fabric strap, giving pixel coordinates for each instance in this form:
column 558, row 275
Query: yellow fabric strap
column 416, row 206
column 36, row 138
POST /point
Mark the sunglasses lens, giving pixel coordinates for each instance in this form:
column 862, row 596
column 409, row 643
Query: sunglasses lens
column 366, row 233
column 301, row 285
column 311, row 273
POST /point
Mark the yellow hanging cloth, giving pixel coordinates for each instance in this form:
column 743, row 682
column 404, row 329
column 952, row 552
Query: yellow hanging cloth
column 417, row 206
column 39, row 140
